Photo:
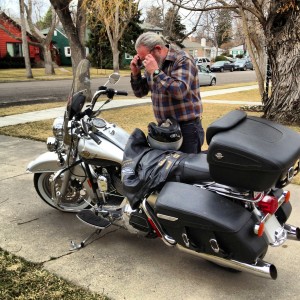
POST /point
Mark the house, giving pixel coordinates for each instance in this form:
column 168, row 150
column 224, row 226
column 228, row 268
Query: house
column 238, row 50
column 60, row 48
column 11, row 53
column 152, row 28
column 197, row 49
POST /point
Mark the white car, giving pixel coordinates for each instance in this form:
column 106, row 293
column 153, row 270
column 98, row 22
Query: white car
column 203, row 61
column 206, row 77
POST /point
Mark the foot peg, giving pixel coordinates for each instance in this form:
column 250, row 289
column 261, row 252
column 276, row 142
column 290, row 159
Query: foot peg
column 90, row 218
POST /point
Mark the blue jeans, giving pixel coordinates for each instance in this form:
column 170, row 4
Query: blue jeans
column 193, row 136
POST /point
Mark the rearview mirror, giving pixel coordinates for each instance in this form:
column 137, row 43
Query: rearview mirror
column 114, row 78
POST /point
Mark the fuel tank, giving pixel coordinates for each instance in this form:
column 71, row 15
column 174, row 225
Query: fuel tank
column 106, row 150
column 111, row 148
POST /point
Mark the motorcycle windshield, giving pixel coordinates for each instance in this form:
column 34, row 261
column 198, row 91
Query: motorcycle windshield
column 81, row 91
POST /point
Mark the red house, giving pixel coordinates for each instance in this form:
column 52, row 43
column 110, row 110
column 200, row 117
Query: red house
column 9, row 45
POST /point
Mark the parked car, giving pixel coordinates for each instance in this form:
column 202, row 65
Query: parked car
column 203, row 61
column 206, row 77
column 243, row 64
column 222, row 65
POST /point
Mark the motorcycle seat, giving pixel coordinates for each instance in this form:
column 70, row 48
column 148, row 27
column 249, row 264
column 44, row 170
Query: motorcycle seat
column 191, row 169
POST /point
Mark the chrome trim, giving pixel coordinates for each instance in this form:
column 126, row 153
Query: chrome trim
column 214, row 245
column 165, row 217
column 169, row 241
column 292, row 232
column 260, row 268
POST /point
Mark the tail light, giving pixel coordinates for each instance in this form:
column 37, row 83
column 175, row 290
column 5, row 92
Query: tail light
column 268, row 204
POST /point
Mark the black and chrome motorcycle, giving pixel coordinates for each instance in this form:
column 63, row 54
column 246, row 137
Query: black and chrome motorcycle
column 227, row 205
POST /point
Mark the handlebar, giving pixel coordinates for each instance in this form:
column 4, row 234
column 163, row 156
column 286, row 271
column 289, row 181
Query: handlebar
column 95, row 138
column 121, row 93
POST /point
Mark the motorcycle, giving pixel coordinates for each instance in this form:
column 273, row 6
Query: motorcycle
column 226, row 205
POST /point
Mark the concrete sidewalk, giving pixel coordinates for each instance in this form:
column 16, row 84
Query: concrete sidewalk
column 55, row 112
column 119, row 264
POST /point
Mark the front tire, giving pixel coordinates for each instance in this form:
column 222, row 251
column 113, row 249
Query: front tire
column 75, row 200
column 213, row 82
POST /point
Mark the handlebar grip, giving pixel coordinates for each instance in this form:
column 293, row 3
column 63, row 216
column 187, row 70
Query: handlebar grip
column 121, row 93
column 95, row 138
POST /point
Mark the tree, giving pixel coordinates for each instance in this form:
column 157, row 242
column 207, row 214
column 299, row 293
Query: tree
column 101, row 53
column 173, row 30
column 46, row 21
column 24, row 40
column 115, row 16
column 154, row 16
column 224, row 27
column 278, row 24
column 207, row 28
column 75, row 30
column 44, row 41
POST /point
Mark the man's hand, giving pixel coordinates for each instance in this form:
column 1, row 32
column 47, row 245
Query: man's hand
column 135, row 65
column 150, row 64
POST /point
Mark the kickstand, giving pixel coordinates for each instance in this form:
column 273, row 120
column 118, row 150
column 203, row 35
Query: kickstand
column 77, row 246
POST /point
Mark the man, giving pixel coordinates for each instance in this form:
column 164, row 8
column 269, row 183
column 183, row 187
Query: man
column 172, row 77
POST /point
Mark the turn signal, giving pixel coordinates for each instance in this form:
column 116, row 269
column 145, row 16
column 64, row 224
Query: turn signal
column 259, row 229
column 268, row 204
column 287, row 196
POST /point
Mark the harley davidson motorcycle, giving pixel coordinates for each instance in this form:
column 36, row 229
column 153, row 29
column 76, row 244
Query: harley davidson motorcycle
column 226, row 205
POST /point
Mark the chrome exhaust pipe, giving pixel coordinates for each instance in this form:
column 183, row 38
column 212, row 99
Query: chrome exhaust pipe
column 292, row 231
column 261, row 268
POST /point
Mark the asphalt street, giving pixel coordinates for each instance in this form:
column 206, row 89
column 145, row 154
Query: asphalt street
column 31, row 91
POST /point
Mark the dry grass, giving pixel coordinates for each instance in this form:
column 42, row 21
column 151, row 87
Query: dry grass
column 7, row 75
column 21, row 109
column 226, row 86
column 250, row 95
column 23, row 280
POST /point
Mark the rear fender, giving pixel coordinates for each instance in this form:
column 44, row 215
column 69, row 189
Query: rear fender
column 46, row 162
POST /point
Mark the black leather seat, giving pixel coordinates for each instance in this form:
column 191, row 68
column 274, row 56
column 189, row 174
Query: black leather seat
column 191, row 169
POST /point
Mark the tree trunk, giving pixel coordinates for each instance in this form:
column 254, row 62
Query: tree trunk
column 25, row 47
column 282, row 33
column 115, row 53
column 73, row 32
column 49, row 69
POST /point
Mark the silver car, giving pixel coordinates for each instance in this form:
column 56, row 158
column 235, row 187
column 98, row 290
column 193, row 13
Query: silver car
column 206, row 77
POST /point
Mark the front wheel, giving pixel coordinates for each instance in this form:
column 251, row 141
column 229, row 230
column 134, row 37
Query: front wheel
column 213, row 82
column 75, row 200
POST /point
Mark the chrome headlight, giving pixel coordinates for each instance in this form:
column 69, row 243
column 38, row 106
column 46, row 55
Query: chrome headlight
column 58, row 128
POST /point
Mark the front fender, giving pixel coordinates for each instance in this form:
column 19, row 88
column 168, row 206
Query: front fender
column 46, row 162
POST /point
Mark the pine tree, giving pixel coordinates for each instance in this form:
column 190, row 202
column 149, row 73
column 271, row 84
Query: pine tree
column 224, row 27
column 173, row 30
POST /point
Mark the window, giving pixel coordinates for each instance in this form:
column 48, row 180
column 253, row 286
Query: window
column 128, row 56
column 67, row 52
column 14, row 49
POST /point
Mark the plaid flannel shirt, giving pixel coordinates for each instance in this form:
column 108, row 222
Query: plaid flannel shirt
column 175, row 90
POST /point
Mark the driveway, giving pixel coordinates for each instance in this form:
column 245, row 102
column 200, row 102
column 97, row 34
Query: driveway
column 119, row 264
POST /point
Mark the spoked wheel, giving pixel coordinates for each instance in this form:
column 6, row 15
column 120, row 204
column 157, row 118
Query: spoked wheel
column 76, row 198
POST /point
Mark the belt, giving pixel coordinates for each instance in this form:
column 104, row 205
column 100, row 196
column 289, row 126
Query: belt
column 196, row 120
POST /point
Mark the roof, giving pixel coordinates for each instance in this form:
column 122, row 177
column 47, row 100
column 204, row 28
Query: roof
column 17, row 22
column 190, row 44
column 148, row 26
